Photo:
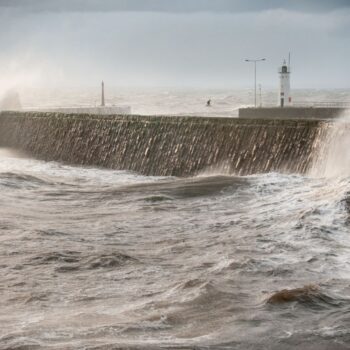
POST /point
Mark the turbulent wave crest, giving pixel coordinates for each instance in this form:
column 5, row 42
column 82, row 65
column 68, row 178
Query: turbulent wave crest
column 102, row 259
column 332, row 156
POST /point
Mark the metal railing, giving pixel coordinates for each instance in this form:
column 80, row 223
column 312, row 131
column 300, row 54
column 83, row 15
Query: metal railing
column 323, row 104
column 313, row 104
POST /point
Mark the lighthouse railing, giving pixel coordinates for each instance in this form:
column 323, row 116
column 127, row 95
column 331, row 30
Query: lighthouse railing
column 309, row 104
column 322, row 104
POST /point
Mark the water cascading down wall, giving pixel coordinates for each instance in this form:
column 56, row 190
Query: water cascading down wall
column 178, row 146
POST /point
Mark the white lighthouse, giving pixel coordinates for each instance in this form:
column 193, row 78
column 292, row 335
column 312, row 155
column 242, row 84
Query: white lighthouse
column 285, row 99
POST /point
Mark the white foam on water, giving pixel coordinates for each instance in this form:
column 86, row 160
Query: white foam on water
column 332, row 158
column 12, row 161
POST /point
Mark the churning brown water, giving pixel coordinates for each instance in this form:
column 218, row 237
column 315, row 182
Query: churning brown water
column 99, row 259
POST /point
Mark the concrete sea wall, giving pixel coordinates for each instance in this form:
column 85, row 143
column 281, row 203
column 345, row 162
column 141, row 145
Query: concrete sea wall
column 292, row 112
column 179, row 146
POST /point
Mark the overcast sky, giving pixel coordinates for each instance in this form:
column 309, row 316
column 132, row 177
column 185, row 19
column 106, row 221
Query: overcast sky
column 182, row 43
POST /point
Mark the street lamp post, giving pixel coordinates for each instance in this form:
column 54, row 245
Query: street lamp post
column 255, row 61
column 260, row 99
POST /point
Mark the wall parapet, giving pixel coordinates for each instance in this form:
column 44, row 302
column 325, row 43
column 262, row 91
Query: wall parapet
column 321, row 113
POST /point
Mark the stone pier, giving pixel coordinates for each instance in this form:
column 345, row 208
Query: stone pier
column 176, row 146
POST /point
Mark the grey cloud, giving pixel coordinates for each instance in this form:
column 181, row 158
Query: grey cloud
column 138, row 48
column 160, row 49
column 173, row 6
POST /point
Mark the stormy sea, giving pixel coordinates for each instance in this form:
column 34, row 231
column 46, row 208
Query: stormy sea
column 104, row 259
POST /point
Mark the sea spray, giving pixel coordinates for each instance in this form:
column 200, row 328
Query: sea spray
column 10, row 101
column 332, row 149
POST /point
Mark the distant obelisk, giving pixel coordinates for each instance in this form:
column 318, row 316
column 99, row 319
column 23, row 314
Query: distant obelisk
column 103, row 95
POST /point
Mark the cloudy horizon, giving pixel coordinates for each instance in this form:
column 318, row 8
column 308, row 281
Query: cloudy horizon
column 151, row 43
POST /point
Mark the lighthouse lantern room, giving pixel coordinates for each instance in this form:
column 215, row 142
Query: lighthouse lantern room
column 285, row 98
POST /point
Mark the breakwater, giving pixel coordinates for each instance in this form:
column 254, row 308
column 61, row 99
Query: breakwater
column 178, row 146
column 292, row 112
